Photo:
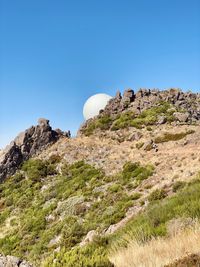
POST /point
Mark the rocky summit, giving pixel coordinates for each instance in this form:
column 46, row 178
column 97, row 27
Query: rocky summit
column 185, row 106
column 123, row 193
column 27, row 144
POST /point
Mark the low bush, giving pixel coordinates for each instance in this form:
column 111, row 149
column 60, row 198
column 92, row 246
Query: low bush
column 36, row 169
column 136, row 171
column 158, row 194
column 88, row 256
column 102, row 123
column 139, row 145
column 136, row 196
column 115, row 188
column 123, row 121
column 172, row 137
column 178, row 185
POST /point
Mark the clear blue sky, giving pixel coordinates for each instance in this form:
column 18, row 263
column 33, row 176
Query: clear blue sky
column 55, row 54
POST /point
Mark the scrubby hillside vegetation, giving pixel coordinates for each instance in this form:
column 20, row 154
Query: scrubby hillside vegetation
column 42, row 211
column 127, row 185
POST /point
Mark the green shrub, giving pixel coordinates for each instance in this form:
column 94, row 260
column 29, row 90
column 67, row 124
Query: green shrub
column 35, row 169
column 115, row 188
column 135, row 196
column 123, row 121
column 18, row 177
column 87, row 256
column 178, row 185
column 55, row 158
column 158, row 194
column 172, row 137
column 102, row 123
column 136, row 171
column 139, row 145
column 149, row 128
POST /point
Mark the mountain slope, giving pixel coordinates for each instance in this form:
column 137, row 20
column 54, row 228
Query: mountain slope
column 73, row 200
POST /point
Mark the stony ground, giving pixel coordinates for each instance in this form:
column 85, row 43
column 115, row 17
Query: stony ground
column 173, row 160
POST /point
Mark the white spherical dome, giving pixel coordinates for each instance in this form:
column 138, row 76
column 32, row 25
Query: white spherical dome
column 94, row 104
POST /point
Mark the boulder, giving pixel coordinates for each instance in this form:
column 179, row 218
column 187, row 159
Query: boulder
column 134, row 136
column 89, row 237
column 182, row 117
column 128, row 97
column 161, row 119
column 43, row 122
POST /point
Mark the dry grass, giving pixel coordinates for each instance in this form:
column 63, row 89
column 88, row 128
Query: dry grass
column 159, row 252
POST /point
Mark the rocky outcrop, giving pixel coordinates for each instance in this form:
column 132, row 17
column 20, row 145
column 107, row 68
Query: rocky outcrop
column 186, row 105
column 11, row 261
column 27, row 144
column 146, row 98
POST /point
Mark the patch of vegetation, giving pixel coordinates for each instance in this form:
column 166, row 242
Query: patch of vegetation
column 158, row 194
column 41, row 207
column 115, row 188
column 123, row 121
column 102, row 123
column 135, row 171
column 153, row 222
column 146, row 118
column 36, row 169
column 178, row 185
column 172, row 137
column 136, row 196
column 130, row 119
column 139, row 145
column 81, row 256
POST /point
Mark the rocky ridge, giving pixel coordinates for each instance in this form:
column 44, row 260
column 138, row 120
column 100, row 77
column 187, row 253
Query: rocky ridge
column 27, row 144
column 186, row 105
column 146, row 98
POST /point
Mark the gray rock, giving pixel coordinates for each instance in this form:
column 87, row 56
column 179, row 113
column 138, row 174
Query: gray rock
column 161, row 119
column 149, row 145
column 134, row 136
column 182, row 117
column 27, row 144
column 43, row 122
column 118, row 95
column 127, row 98
column 89, row 238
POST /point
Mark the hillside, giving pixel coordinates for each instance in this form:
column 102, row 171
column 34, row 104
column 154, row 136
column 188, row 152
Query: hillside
column 98, row 198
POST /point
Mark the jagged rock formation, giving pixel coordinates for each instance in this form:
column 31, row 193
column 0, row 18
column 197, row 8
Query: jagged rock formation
column 11, row 261
column 188, row 103
column 27, row 144
column 146, row 98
